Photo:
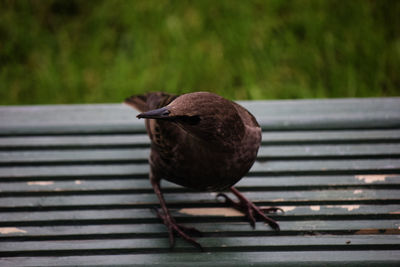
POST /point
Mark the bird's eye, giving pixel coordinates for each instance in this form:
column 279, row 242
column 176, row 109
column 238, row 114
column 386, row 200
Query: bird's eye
column 191, row 120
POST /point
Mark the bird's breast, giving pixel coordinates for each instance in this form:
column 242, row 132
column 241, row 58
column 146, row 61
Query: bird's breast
column 203, row 166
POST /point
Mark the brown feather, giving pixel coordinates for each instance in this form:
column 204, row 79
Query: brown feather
column 201, row 141
column 149, row 101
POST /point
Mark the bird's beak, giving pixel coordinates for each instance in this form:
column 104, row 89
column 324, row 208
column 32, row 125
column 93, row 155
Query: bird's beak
column 161, row 113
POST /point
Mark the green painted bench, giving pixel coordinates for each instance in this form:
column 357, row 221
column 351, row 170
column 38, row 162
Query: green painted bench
column 74, row 189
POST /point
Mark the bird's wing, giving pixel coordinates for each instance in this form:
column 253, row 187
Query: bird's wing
column 248, row 119
column 149, row 101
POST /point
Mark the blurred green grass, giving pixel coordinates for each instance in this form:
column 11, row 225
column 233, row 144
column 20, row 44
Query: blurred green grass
column 103, row 51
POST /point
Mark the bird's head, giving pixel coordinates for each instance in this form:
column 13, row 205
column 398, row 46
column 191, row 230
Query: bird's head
column 202, row 114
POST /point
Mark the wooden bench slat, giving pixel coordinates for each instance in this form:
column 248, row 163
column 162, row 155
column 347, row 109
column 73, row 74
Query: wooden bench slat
column 383, row 166
column 148, row 215
column 126, row 140
column 224, row 258
column 227, row 244
column 256, row 183
column 323, row 166
column 187, row 198
column 311, row 181
column 85, row 140
column 327, row 136
column 300, row 114
column 264, row 258
column 141, row 154
column 61, row 232
column 305, row 151
column 88, row 156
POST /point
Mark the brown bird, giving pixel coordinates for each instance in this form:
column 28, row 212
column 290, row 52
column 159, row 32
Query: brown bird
column 201, row 141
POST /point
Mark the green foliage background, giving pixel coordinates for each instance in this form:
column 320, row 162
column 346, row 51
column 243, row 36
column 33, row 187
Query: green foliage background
column 103, row 51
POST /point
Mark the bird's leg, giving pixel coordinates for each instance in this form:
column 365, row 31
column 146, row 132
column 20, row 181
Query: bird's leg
column 170, row 223
column 250, row 210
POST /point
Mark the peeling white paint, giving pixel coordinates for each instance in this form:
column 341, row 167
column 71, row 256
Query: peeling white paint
column 371, row 178
column 10, row 230
column 78, row 182
column 288, row 208
column 358, row 191
column 227, row 212
column 315, row 208
column 41, row 183
column 348, row 207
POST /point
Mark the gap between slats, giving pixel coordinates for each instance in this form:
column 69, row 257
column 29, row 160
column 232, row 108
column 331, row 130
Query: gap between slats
column 141, row 140
column 215, row 229
column 139, row 156
column 254, row 184
column 200, row 205
column 184, row 190
column 197, row 215
column 268, row 169
column 236, row 244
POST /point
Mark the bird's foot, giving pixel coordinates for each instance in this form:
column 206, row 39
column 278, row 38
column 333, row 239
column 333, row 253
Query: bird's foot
column 250, row 210
column 180, row 230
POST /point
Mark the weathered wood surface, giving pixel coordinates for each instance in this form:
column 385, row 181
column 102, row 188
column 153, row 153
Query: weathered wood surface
column 74, row 189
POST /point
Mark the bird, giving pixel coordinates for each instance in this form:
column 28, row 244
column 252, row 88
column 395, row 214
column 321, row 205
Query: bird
column 204, row 142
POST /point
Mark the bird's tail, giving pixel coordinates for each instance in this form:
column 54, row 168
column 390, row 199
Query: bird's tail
column 138, row 102
column 149, row 101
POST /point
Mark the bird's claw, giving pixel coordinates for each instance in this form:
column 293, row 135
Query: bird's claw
column 251, row 211
column 229, row 201
column 180, row 230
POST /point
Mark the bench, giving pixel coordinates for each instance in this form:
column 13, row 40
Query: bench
column 74, row 189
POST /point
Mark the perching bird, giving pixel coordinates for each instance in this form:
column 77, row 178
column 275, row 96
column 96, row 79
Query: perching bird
column 201, row 141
